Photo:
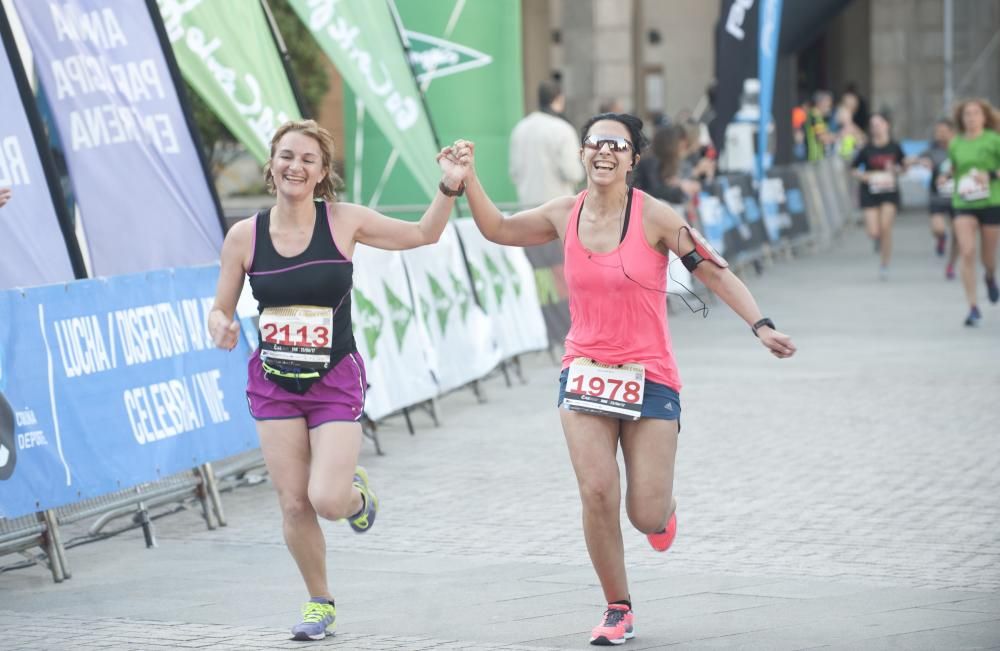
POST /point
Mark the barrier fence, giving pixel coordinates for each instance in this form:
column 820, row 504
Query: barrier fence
column 113, row 401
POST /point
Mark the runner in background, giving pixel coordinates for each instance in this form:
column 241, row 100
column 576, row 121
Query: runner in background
column 616, row 241
column 975, row 161
column 306, row 381
column 881, row 159
column 5, row 195
column 935, row 158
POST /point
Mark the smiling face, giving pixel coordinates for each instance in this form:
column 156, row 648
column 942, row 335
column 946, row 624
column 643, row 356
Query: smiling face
column 604, row 166
column 297, row 165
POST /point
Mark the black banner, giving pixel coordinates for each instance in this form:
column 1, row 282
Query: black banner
column 735, row 61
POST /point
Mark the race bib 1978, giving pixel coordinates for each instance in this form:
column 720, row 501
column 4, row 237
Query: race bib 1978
column 296, row 335
column 605, row 389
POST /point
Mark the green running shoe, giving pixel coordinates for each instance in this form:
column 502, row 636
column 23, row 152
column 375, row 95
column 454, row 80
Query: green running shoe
column 366, row 518
column 319, row 619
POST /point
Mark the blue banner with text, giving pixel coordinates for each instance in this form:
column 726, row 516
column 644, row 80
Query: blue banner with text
column 112, row 382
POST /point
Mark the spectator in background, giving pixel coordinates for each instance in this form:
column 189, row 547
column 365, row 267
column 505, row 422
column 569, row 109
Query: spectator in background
column 659, row 119
column 5, row 195
column 859, row 106
column 611, row 105
column 849, row 137
column 544, row 152
column 818, row 134
column 658, row 173
column 699, row 157
column 799, row 115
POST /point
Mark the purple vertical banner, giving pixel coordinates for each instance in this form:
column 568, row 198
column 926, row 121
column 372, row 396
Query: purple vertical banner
column 34, row 250
column 137, row 175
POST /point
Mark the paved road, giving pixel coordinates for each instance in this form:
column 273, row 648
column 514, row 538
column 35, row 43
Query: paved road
column 844, row 499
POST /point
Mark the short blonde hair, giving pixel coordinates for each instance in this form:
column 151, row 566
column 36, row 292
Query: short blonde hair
column 328, row 186
column 989, row 113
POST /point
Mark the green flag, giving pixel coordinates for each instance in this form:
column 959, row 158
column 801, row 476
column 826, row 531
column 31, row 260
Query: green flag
column 361, row 39
column 225, row 50
column 467, row 56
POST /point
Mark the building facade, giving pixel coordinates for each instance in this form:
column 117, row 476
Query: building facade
column 912, row 58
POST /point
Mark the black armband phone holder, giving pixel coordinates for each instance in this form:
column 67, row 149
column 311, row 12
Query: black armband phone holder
column 702, row 251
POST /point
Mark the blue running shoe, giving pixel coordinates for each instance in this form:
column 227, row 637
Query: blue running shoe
column 991, row 289
column 364, row 520
column 973, row 317
column 319, row 619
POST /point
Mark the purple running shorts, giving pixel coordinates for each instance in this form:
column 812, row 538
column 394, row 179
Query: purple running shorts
column 337, row 396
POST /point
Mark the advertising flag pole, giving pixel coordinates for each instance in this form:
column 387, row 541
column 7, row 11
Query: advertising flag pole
column 182, row 98
column 286, row 61
column 405, row 42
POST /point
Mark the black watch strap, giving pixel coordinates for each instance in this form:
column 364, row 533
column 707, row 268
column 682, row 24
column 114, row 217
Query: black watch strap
column 448, row 192
column 760, row 324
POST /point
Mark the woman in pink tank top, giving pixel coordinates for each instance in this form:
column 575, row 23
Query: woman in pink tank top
column 619, row 382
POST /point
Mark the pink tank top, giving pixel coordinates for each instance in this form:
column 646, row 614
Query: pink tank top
column 615, row 319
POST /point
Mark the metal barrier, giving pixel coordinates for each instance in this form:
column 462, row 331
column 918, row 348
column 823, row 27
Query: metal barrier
column 43, row 530
column 18, row 535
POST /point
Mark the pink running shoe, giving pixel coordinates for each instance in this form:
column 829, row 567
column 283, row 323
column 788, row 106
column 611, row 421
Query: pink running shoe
column 949, row 271
column 662, row 540
column 618, row 625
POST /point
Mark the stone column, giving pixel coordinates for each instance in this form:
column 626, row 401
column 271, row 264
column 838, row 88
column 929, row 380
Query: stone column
column 597, row 45
column 536, row 40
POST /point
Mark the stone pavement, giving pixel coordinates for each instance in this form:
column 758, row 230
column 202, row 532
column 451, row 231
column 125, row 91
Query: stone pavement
column 844, row 499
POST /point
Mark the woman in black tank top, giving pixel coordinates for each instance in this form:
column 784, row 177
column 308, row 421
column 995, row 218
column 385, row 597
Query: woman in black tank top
column 306, row 381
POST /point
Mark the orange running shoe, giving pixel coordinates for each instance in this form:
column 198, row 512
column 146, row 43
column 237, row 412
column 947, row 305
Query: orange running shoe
column 662, row 540
column 618, row 625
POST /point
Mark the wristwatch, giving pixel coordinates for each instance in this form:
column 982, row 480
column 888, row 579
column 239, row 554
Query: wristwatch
column 448, row 192
column 762, row 323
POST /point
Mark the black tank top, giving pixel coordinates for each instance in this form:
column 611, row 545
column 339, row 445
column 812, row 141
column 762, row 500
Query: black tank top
column 320, row 276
